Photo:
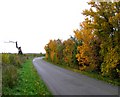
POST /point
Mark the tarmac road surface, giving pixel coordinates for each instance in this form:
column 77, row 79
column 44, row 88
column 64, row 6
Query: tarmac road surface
column 64, row 82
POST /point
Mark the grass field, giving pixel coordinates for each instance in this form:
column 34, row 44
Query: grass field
column 29, row 82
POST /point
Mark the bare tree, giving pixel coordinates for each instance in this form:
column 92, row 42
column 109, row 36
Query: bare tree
column 19, row 49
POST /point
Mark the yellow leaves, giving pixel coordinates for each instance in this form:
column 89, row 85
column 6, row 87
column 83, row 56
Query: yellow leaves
column 51, row 49
column 46, row 55
column 5, row 58
column 86, row 35
column 92, row 46
column 53, row 44
column 111, row 61
column 114, row 20
column 78, row 35
column 78, row 57
column 68, row 49
column 52, row 55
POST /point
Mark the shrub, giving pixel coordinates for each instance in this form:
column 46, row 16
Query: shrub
column 9, row 77
column 10, row 64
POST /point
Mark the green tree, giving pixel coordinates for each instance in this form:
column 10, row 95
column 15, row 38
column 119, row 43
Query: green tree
column 105, row 21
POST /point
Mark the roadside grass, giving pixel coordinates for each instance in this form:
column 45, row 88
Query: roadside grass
column 95, row 75
column 29, row 82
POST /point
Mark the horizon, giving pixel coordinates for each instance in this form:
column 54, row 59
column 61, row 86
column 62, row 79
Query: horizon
column 34, row 23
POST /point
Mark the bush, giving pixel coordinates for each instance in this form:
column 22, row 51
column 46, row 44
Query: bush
column 9, row 77
column 10, row 64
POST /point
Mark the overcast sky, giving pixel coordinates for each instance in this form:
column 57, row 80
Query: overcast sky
column 34, row 22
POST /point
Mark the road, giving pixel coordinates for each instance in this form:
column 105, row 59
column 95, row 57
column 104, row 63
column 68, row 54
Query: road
column 64, row 82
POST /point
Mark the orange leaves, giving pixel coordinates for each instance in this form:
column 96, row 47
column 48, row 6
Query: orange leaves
column 87, row 36
column 90, row 45
column 53, row 50
column 86, row 33
column 68, row 49
column 78, row 35
column 57, row 51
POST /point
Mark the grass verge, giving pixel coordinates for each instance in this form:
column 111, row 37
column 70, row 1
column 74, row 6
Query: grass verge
column 29, row 82
column 95, row 75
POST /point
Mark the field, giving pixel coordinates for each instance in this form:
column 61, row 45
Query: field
column 20, row 77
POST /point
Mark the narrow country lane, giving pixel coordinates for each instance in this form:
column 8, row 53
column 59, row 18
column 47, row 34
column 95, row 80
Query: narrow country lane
column 65, row 82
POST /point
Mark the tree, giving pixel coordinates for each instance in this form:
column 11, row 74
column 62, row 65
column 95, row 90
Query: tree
column 68, row 51
column 105, row 21
column 86, row 54
column 74, row 52
column 54, row 51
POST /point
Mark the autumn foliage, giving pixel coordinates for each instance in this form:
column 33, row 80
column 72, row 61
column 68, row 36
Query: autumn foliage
column 96, row 45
